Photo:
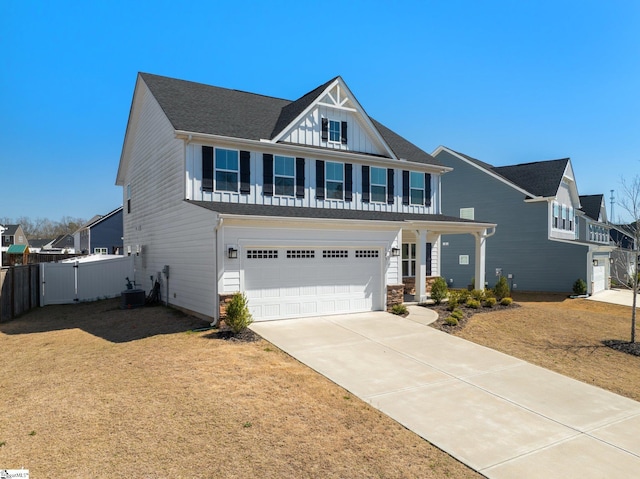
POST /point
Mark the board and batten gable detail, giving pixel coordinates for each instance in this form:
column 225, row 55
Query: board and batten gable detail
column 278, row 177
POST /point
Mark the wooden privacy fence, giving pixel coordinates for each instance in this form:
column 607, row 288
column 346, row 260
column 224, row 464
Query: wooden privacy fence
column 84, row 279
column 19, row 290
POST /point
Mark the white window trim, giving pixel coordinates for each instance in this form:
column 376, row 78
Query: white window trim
column 383, row 184
column 216, row 169
column 412, row 188
column 326, row 180
column 275, row 175
column 339, row 123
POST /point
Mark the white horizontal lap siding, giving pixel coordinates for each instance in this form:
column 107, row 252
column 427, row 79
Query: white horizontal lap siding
column 169, row 231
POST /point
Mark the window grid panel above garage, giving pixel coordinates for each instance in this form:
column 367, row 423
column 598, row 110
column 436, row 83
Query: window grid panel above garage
column 335, row 253
column 262, row 254
column 300, row 254
column 367, row 253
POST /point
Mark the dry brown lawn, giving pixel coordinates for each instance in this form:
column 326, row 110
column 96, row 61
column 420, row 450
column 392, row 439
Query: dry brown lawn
column 564, row 335
column 91, row 391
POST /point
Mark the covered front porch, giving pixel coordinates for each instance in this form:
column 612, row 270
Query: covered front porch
column 420, row 246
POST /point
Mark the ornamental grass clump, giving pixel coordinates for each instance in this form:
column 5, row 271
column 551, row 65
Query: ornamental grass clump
column 399, row 309
column 238, row 317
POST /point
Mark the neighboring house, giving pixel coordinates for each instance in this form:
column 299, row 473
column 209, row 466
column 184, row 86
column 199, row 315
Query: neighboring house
column 100, row 235
column 548, row 236
column 623, row 262
column 2, row 230
column 37, row 245
column 12, row 235
column 305, row 205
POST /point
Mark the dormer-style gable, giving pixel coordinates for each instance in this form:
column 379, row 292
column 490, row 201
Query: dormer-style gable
column 331, row 117
column 594, row 207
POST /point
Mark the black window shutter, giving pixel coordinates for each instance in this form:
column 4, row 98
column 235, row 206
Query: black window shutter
column 207, row 168
column 390, row 193
column 343, row 132
column 320, row 179
column 427, row 189
column 365, row 184
column 267, row 174
column 348, row 182
column 325, row 129
column 245, row 172
column 299, row 177
column 405, row 187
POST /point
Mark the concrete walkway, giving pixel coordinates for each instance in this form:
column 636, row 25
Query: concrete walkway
column 499, row 415
column 616, row 296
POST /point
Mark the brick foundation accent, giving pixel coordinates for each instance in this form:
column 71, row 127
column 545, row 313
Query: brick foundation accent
column 410, row 284
column 395, row 295
column 223, row 301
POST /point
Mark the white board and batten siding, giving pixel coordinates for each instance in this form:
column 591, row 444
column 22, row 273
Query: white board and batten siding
column 256, row 196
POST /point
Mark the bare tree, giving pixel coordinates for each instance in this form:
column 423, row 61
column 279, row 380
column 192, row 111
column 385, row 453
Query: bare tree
column 630, row 203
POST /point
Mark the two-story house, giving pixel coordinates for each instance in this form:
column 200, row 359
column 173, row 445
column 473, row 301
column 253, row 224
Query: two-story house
column 548, row 235
column 100, row 235
column 306, row 205
column 14, row 242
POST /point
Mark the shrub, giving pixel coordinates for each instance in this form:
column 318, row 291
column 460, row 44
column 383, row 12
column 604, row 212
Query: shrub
column 451, row 321
column 580, row 287
column 439, row 290
column 399, row 309
column 478, row 295
column 456, row 313
column 473, row 303
column 490, row 302
column 238, row 317
column 452, row 303
column 506, row 301
column 501, row 288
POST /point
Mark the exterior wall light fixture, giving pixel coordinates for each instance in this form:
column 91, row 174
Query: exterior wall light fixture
column 232, row 253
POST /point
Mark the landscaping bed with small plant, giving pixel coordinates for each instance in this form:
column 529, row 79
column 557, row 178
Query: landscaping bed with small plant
column 456, row 306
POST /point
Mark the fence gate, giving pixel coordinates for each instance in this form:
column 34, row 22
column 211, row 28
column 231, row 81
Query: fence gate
column 84, row 280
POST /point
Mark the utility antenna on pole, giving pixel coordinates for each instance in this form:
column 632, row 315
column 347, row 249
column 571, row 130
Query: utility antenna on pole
column 612, row 202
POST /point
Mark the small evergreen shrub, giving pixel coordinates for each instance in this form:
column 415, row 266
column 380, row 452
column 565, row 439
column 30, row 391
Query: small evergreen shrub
column 399, row 309
column 478, row 295
column 473, row 303
column 490, row 302
column 580, row 287
column 452, row 303
column 238, row 317
column 501, row 288
column 506, row 301
column 456, row 313
column 439, row 290
column 451, row 321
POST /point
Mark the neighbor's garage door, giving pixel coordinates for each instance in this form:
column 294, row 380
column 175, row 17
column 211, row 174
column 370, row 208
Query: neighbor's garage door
column 292, row 282
column 599, row 278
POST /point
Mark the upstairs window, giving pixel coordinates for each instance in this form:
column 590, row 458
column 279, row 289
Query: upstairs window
column 416, row 188
column 227, row 170
column 378, row 185
column 334, row 180
column 334, row 131
column 284, row 175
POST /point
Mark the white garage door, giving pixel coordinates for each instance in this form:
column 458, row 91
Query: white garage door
column 293, row 282
column 599, row 278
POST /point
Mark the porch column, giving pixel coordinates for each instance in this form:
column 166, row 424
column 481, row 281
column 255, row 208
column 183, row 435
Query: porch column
column 421, row 266
column 481, row 239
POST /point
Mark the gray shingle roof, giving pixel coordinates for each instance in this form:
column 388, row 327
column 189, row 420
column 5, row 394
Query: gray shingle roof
column 200, row 108
column 319, row 213
column 591, row 205
column 542, row 178
column 10, row 229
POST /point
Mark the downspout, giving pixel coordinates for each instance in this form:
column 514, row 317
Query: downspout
column 219, row 259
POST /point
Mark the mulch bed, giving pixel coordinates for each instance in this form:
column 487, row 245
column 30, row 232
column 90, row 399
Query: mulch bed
column 246, row 336
column 444, row 313
column 623, row 346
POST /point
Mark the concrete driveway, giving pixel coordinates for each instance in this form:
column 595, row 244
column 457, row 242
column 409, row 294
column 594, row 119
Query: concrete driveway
column 499, row 415
column 615, row 296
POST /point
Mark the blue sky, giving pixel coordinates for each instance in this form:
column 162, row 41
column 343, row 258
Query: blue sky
column 503, row 81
